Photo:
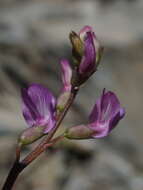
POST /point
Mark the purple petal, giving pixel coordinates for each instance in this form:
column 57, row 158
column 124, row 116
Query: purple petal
column 106, row 114
column 42, row 98
column 30, row 111
column 84, row 30
column 66, row 74
column 110, row 105
column 96, row 111
column 89, row 57
column 39, row 106
column 116, row 118
column 101, row 129
column 88, row 29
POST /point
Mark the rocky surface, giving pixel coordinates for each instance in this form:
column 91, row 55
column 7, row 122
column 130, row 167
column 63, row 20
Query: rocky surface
column 33, row 37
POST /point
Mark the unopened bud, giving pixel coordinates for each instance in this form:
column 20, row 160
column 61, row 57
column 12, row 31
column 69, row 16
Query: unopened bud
column 86, row 52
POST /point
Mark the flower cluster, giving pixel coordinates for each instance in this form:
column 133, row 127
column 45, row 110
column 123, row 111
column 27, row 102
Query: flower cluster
column 41, row 109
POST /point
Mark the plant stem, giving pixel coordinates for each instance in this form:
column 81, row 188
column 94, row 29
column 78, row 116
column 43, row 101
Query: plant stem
column 13, row 174
column 19, row 166
column 32, row 156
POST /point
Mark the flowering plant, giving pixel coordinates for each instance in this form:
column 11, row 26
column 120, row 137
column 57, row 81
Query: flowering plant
column 44, row 113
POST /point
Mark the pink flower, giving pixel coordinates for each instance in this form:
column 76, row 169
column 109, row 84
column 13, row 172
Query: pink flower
column 39, row 106
column 105, row 115
column 91, row 48
column 66, row 73
column 86, row 54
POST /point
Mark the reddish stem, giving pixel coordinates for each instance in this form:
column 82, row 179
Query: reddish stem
column 19, row 166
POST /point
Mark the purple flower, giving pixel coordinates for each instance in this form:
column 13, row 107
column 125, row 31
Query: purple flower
column 66, row 89
column 105, row 115
column 91, row 47
column 39, row 107
column 66, row 74
column 86, row 53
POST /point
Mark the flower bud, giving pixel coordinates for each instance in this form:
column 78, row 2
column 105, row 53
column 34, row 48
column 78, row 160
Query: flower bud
column 79, row 132
column 66, row 75
column 86, row 53
column 31, row 134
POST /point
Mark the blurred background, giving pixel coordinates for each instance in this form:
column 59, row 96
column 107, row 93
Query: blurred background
column 33, row 38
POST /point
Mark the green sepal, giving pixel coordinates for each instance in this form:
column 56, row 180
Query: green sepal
column 30, row 135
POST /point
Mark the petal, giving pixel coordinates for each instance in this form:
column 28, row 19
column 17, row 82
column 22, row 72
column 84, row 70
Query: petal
column 110, row 105
column 96, row 111
column 50, row 124
column 116, row 118
column 29, row 109
column 100, row 129
column 42, row 98
column 103, row 129
column 66, row 74
column 84, row 30
column 28, row 116
column 98, row 49
column 106, row 114
column 89, row 57
column 38, row 106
